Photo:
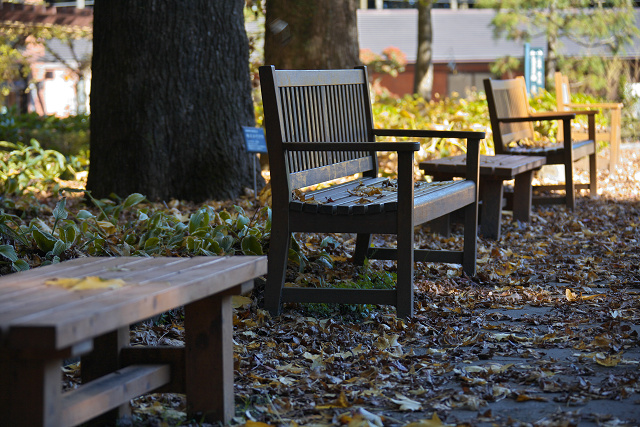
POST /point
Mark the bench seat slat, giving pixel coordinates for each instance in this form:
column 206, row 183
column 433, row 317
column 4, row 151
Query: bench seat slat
column 345, row 202
column 47, row 298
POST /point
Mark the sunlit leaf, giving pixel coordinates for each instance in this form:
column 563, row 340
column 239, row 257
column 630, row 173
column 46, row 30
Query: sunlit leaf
column 608, row 360
column 406, row 404
column 133, row 199
column 107, row 227
column 45, row 241
column 571, row 296
column 340, row 402
column 8, row 252
column 434, row 421
column 240, row 301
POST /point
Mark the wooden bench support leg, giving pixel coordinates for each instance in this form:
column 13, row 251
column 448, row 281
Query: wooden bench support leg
column 570, row 188
column 208, row 327
column 363, row 242
column 441, row 225
column 614, row 154
column 104, row 359
column 31, row 392
column 491, row 208
column 404, row 286
column 470, row 248
column 522, row 193
column 278, row 254
column 593, row 164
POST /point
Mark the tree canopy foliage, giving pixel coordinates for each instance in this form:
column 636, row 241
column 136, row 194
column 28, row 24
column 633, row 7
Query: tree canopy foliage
column 605, row 31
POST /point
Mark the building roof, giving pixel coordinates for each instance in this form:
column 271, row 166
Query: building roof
column 463, row 35
column 28, row 13
column 82, row 48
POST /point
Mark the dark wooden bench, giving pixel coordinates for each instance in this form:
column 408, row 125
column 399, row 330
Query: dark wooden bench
column 493, row 171
column 512, row 127
column 319, row 127
column 42, row 323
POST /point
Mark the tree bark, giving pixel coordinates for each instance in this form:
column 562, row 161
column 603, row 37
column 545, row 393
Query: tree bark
column 170, row 94
column 423, row 77
column 303, row 34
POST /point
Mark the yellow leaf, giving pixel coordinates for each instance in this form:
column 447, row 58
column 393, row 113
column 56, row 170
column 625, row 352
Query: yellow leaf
column 608, row 360
column 364, row 418
column 238, row 301
column 107, row 227
column 433, row 422
column 340, row 402
column 85, row 283
column 251, row 423
column 571, row 296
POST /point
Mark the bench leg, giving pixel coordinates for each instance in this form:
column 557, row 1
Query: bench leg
column 570, row 187
column 470, row 245
column 208, row 325
column 405, row 224
column 492, row 190
column 277, row 264
column 593, row 175
column 105, row 359
column 31, row 392
column 363, row 242
column 522, row 193
column 441, row 225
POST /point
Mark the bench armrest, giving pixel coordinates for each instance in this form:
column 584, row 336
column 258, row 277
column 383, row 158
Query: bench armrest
column 606, row 105
column 427, row 133
column 351, row 146
column 560, row 115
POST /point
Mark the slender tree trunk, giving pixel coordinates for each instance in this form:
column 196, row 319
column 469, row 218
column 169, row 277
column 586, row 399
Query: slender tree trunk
column 170, row 94
column 423, row 77
column 303, row 34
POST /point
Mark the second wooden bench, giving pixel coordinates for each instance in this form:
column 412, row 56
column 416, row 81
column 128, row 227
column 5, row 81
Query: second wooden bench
column 319, row 128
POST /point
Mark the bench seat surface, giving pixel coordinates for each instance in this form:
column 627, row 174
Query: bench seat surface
column 36, row 314
column 374, row 196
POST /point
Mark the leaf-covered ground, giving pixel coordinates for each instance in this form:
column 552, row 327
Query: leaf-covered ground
column 546, row 335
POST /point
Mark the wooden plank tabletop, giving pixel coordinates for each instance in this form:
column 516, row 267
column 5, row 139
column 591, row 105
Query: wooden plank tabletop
column 37, row 314
column 501, row 165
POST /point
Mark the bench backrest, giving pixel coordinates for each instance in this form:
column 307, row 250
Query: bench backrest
column 507, row 99
column 316, row 106
column 563, row 94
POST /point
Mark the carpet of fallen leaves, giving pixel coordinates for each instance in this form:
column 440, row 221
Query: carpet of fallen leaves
column 545, row 335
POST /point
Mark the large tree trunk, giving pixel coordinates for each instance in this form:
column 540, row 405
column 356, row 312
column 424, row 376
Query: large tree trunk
column 303, row 34
column 170, row 94
column 423, row 77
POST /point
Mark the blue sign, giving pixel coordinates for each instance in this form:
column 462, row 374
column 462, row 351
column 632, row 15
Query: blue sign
column 254, row 139
column 533, row 68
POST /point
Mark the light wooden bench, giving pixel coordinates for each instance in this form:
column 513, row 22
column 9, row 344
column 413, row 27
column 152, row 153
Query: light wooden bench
column 319, row 127
column 512, row 127
column 42, row 324
column 493, row 171
column 611, row 133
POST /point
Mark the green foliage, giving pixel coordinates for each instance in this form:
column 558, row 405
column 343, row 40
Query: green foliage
column 414, row 112
column 601, row 26
column 29, row 167
column 13, row 65
column 69, row 135
column 366, row 278
column 130, row 227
